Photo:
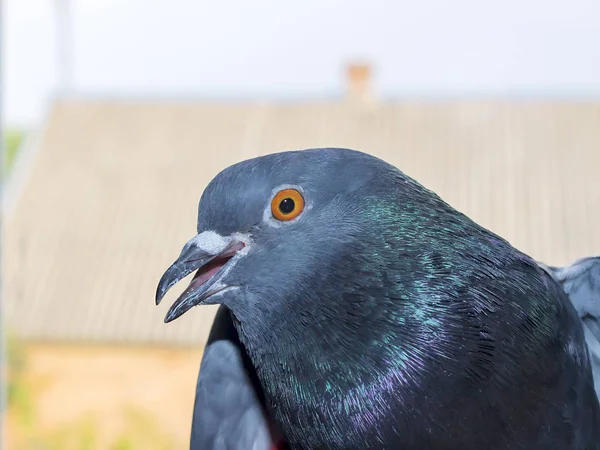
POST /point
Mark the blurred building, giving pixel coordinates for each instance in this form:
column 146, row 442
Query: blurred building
column 111, row 193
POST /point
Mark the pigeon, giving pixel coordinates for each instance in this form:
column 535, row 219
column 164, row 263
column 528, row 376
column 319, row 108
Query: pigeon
column 358, row 310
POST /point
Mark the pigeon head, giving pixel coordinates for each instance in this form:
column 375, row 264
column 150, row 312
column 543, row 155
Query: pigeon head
column 279, row 234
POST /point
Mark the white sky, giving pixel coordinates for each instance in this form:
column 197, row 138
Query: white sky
column 289, row 48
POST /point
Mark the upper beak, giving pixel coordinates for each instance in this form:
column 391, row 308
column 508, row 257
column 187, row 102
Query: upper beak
column 209, row 252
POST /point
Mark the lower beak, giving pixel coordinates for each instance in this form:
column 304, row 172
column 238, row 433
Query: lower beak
column 208, row 253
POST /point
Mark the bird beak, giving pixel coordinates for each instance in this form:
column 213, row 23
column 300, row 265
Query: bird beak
column 210, row 254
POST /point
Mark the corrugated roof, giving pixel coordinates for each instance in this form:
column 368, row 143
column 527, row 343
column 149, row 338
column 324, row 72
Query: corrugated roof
column 113, row 192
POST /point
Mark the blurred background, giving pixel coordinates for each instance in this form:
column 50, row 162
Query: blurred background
column 117, row 113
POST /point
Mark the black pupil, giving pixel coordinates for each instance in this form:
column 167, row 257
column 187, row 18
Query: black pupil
column 287, row 205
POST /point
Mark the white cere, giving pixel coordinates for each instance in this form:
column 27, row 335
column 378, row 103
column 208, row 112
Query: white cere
column 211, row 242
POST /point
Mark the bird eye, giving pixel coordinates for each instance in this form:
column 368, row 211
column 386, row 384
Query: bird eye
column 287, row 204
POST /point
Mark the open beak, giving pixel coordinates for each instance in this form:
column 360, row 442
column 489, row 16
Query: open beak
column 209, row 254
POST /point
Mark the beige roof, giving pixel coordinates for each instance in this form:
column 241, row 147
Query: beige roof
column 113, row 191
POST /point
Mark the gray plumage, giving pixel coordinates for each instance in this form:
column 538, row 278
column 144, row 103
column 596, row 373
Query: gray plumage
column 581, row 282
column 227, row 415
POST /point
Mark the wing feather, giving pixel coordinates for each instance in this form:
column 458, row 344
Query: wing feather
column 228, row 414
column 581, row 282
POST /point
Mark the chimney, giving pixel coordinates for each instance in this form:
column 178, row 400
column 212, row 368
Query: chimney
column 359, row 82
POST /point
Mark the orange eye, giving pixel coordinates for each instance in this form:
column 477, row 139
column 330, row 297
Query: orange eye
column 287, row 204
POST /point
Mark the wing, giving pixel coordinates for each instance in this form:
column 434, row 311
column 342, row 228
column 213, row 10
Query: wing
column 581, row 282
column 228, row 414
